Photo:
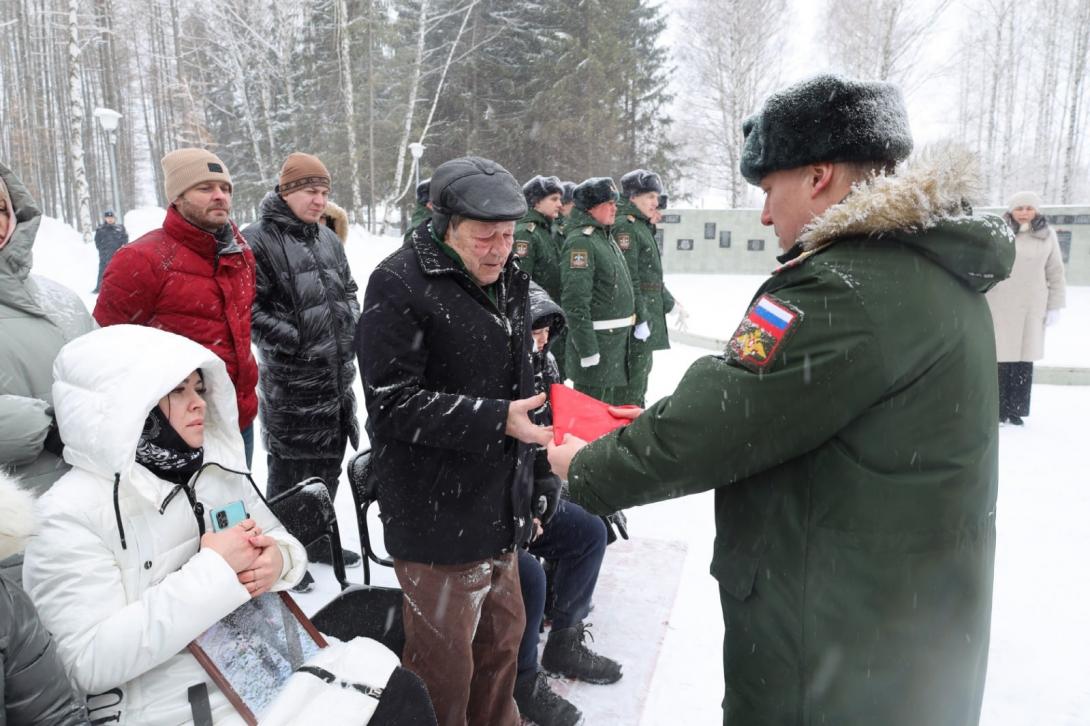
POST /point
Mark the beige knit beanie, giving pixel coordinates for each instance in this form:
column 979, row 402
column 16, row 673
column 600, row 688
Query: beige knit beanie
column 1024, row 199
column 302, row 170
column 185, row 168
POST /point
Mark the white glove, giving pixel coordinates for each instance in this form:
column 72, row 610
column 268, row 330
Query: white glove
column 590, row 361
column 642, row 331
column 1052, row 317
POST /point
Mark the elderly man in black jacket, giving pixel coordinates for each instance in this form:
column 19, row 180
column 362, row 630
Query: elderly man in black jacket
column 444, row 351
column 304, row 321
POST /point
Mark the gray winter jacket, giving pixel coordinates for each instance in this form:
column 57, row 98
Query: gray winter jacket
column 34, row 688
column 37, row 317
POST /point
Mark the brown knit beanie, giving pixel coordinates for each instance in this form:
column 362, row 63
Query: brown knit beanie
column 185, row 168
column 302, row 170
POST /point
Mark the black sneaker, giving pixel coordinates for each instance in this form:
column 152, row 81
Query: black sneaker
column 566, row 655
column 319, row 552
column 306, row 584
column 539, row 704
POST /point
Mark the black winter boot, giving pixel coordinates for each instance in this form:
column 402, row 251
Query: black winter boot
column 538, row 703
column 566, row 655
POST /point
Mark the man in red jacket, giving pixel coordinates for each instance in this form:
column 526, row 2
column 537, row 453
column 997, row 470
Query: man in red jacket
column 194, row 276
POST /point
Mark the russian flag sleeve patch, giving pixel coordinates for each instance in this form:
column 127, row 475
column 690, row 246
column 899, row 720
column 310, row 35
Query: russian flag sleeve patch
column 768, row 324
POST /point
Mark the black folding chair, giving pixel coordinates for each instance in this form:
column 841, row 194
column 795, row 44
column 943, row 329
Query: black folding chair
column 365, row 493
column 365, row 610
column 306, row 510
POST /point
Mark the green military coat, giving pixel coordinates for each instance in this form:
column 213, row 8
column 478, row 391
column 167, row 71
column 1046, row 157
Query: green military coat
column 595, row 289
column 635, row 236
column 538, row 250
column 850, row 434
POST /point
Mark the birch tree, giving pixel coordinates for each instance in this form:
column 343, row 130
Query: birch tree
column 75, row 139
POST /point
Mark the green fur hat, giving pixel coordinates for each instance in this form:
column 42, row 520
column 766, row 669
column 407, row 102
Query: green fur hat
column 826, row 118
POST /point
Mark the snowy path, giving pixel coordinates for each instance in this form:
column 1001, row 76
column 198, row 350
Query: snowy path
column 1039, row 669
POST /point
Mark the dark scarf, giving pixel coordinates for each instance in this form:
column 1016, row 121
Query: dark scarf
column 164, row 452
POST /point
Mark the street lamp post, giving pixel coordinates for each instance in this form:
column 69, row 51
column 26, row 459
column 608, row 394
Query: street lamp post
column 417, row 150
column 109, row 119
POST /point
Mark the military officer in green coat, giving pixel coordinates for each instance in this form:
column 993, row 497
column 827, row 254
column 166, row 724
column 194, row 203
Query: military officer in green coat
column 422, row 211
column 596, row 295
column 538, row 243
column 849, row 430
column 635, row 235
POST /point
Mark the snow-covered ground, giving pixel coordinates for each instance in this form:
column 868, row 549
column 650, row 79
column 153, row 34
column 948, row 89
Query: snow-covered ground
column 1040, row 654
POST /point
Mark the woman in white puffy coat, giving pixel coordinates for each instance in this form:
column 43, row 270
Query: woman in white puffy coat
column 125, row 570
column 1025, row 303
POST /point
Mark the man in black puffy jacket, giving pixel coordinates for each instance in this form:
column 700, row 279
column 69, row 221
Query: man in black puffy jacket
column 304, row 321
column 34, row 688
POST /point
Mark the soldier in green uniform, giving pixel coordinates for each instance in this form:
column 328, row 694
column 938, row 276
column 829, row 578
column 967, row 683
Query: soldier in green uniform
column 635, row 235
column 597, row 295
column 538, row 243
column 422, row 211
column 566, row 204
column 849, row 430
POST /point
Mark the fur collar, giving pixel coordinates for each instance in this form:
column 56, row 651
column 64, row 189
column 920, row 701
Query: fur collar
column 16, row 515
column 925, row 190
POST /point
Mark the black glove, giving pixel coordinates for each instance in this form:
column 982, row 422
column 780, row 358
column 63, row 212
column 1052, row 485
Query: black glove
column 620, row 522
column 546, row 497
column 53, row 443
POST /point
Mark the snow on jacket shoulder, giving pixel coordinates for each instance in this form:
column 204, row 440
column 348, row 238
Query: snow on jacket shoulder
column 173, row 279
column 33, row 686
column 116, row 571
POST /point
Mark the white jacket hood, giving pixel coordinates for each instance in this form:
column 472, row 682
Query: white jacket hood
column 107, row 381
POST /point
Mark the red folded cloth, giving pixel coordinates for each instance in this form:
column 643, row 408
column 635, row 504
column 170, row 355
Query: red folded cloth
column 581, row 415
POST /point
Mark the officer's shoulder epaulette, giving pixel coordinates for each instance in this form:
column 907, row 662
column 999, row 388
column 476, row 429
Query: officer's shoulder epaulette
column 588, row 230
column 632, row 218
column 531, row 226
column 796, row 261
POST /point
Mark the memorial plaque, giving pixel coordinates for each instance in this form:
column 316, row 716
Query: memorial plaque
column 1082, row 219
column 755, row 245
column 724, row 239
column 709, row 230
column 671, row 219
column 1063, row 236
column 685, row 245
column 659, row 239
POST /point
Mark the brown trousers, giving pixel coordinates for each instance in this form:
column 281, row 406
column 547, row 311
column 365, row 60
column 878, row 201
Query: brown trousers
column 463, row 625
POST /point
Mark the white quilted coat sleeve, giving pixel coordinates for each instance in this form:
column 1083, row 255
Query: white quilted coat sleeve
column 76, row 582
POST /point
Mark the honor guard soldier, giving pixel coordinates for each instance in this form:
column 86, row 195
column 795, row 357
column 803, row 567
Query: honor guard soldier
column 597, row 295
column 537, row 242
column 635, row 234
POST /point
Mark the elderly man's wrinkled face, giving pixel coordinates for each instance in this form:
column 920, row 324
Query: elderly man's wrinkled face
column 483, row 246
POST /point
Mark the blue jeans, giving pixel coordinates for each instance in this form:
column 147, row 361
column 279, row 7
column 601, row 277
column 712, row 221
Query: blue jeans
column 576, row 541
column 248, row 442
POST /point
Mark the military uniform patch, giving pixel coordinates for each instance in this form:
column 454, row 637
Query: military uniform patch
column 624, row 241
column 588, row 230
column 522, row 248
column 632, row 218
column 578, row 259
column 762, row 333
column 530, row 227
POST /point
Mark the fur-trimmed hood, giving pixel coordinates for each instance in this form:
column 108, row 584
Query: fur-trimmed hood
column 16, row 515
column 336, row 218
column 926, row 204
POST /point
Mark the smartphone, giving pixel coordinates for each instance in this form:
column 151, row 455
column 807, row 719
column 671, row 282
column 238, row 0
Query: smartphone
column 228, row 516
